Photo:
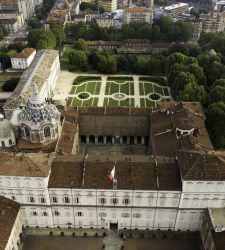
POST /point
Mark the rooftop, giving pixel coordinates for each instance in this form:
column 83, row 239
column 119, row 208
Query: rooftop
column 25, row 53
column 137, row 10
column 204, row 165
column 174, row 6
column 67, row 136
column 8, row 212
column 37, row 72
column 8, row 21
column 131, row 173
column 8, row 1
column 172, row 116
column 29, row 164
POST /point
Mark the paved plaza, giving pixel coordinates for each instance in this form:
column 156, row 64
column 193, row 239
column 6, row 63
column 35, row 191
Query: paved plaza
column 161, row 244
column 62, row 243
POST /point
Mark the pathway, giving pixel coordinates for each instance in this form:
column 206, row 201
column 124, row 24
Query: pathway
column 102, row 91
column 112, row 241
column 136, row 91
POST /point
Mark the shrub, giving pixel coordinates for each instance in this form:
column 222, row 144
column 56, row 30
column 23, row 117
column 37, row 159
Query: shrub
column 10, row 84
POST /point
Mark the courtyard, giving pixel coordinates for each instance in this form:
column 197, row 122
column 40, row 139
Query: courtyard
column 161, row 244
column 103, row 90
column 34, row 242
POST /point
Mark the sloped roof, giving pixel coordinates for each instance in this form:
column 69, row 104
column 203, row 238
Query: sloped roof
column 8, row 212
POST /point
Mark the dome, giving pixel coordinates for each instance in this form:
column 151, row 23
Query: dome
column 6, row 128
column 38, row 111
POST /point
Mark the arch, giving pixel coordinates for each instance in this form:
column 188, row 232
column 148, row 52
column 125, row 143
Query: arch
column 83, row 139
column 91, row 139
column 131, row 140
column 27, row 132
column 146, row 140
column 47, row 132
column 138, row 139
column 124, row 139
column 109, row 139
column 100, row 139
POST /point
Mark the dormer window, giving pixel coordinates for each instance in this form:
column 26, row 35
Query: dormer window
column 47, row 132
column 27, row 132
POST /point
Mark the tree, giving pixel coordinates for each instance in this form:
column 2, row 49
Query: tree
column 155, row 33
column 34, row 23
column 197, row 71
column 122, row 63
column 219, row 82
column 192, row 92
column 182, row 79
column 79, row 59
column 175, row 58
column 58, row 30
column 217, row 94
column 215, row 123
column 102, row 64
column 186, row 30
column 10, row 84
column 80, row 44
column 33, row 37
column 111, row 66
column 47, row 40
column 2, row 31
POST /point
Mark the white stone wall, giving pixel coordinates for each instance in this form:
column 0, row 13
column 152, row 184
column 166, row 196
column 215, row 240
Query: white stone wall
column 22, row 63
column 50, row 82
column 140, row 209
column 203, row 194
column 25, row 190
column 8, row 142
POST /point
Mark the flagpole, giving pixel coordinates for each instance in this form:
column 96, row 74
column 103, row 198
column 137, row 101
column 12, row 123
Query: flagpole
column 114, row 179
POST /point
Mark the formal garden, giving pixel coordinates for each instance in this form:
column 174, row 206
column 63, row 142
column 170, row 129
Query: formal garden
column 131, row 91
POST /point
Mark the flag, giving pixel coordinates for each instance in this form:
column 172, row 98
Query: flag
column 112, row 173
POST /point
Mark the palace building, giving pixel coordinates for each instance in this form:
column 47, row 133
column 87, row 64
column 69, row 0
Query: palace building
column 167, row 173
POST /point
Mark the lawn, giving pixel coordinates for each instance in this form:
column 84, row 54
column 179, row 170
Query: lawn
column 90, row 86
column 80, row 79
column 126, row 88
column 120, row 79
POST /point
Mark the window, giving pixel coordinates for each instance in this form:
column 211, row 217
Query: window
column 102, row 200
column 102, row 214
column 34, row 213
column 31, row 198
column 10, row 142
column 114, row 201
column 42, row 200
column 137, row 215
column 125, row 215
column 54, row 199
column 126, row 201
column 47, row 132
column 79, row 214
column 27, row 132
column 56, row 212
column 76, row 200
column 13, row 198
column 66, row 199
column 45, row 214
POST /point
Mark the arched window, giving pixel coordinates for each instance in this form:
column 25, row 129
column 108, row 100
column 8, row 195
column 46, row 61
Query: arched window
column 47, row 132
column 27, row 132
